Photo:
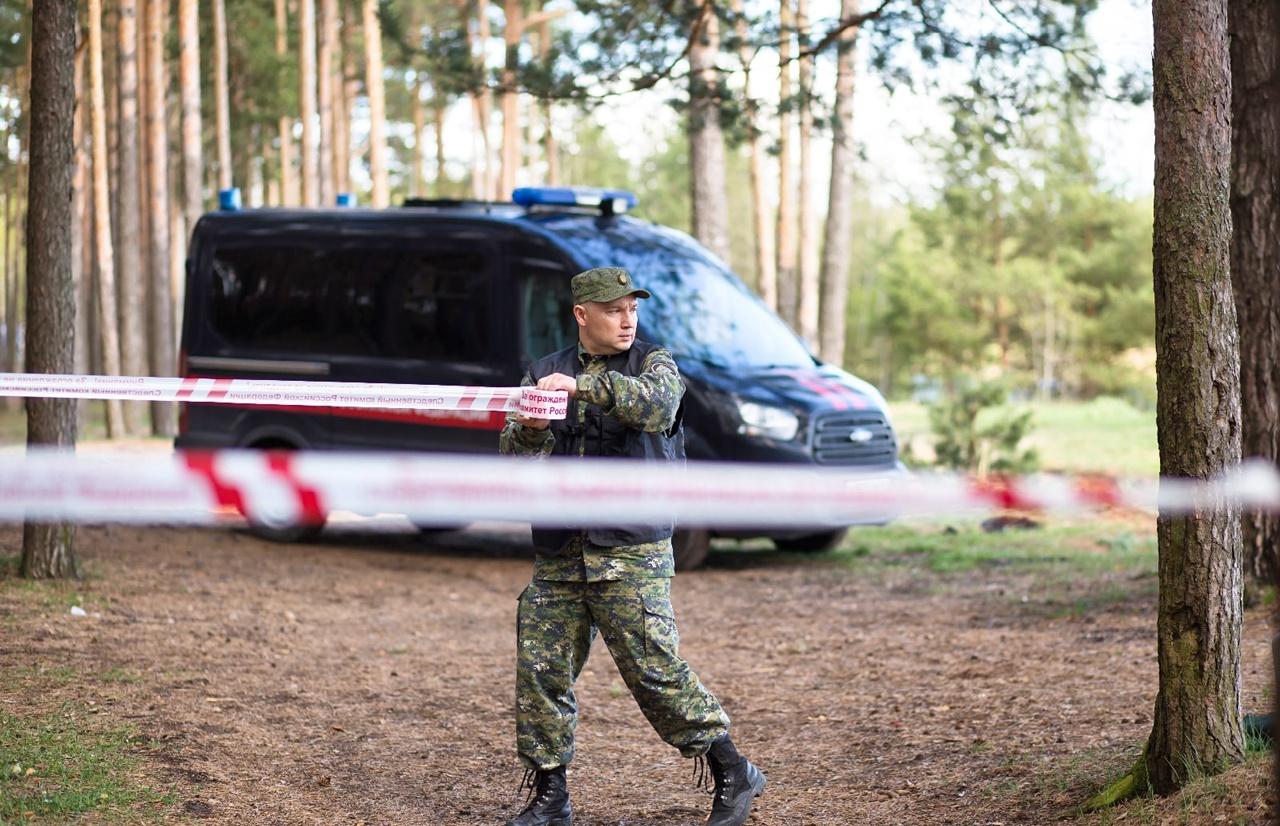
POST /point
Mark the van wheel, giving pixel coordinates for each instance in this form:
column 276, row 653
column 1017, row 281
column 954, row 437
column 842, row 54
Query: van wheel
column 691, row 547
column 811, row 543
column 436, row 530
column 282, row 530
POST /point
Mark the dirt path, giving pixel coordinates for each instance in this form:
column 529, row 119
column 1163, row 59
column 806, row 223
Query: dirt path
column 369, row 678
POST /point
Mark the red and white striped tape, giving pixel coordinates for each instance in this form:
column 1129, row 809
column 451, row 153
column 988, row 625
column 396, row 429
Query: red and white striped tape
column 528, row 400
column 206, row 487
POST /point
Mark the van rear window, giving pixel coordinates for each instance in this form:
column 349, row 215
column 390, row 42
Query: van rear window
column 306, row 300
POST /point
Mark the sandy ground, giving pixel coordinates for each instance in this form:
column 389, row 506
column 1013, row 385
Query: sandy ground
column 368, row 678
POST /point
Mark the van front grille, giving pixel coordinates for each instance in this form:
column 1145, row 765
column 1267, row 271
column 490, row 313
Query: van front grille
column 854, row 438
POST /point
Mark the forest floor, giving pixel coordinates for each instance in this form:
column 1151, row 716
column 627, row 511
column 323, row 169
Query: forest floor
column 923, row 674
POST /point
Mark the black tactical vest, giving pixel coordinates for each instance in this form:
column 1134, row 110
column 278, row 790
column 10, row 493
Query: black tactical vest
column 606, row 436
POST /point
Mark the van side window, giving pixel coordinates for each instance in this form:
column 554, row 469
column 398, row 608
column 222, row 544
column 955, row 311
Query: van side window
column 545, row 302
column 390, row 302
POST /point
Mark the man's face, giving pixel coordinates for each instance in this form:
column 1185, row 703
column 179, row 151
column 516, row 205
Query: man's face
column 609, row 327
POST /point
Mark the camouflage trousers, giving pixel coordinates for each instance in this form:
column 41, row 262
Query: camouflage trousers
column 556, row 623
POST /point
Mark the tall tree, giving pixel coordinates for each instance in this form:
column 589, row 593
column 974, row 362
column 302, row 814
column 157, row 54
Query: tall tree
column 132, row 279
column 807, row 265
column 189, row 83
column 288, row 182
column 381, row 195
column 707, row 187
column 766, row 267
column 1255, row 251
column 509, row 100
column 307, row 101
column 326, row 53
column 164, row 415
column 1197, row 729
column 786, row 231
column 47, row 549
column 839, row 223
column 221, row 94
column 108, row 321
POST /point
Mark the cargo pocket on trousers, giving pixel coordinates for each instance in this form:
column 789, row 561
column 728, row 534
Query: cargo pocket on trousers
column 661, row 639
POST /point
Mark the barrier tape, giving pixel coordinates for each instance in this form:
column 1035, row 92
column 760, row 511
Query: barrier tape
column 527, row 400
column 205, row 487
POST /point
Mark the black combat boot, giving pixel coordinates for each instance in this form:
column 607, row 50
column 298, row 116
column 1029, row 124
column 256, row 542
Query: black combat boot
column 549, row 803
column 737, row 784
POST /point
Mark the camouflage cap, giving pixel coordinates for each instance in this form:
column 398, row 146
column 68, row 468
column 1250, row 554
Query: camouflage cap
column 604, row 284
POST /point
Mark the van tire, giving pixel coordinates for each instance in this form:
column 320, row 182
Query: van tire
column 690, row 547
column 282, row 532
column 814, row 543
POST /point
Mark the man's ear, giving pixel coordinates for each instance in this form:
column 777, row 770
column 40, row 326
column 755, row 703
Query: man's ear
column 580, row 313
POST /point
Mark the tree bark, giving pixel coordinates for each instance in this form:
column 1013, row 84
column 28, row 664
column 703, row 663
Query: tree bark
column 549, row 147
column 47, row 549
column 307, row 101
column 189, row 80
column 164, row 415
column 418, row 180
column 766, row 273
column 786, row 197
column 482, row 183
column 513, row 10
column 221, row 94
column 1197, row 713
column 325, row 97
column 381, row 195
column 288, row 182
column 79, row 198
column 1255, row 251
column 348, row 87
column 132, row 279
column 441, row 180
column 807, row 301
column 839, row 225
column 108, row 318
column 708, row 190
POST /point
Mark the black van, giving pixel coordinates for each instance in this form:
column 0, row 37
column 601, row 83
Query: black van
column 468, row 293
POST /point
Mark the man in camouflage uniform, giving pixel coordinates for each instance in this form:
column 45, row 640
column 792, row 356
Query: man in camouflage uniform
column 625, row 399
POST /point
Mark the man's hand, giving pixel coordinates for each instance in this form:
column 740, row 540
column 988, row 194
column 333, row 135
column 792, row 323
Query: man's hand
column 559, row 381
column 532, row 423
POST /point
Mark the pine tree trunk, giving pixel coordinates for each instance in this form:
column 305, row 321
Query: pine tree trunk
column 766, row 273
column 549, row 148
column 786, row 248
column 108, row 317
column 10, row 289
column 307, row 101
column 348, row 88
column 221, row 94
column 325, row 97
column 708, row 190
column 483, row 183
column 839, row 225
column 164, row 415
column 189, row 79
column 510, row 101
column 381, row 195
column 288, row 181
column 807, row 301
column 1255, row 251
column 1197, row 714
column 441, row 180
column 79, row 198
column 418, row 180
column 131, row 277
column 47, row 549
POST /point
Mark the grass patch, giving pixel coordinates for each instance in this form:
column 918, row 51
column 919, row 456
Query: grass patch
column 56, row 767
column 1105, row 435
column 120, row 675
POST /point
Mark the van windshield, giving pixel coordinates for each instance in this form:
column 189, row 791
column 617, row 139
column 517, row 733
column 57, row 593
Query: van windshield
column 699, row 309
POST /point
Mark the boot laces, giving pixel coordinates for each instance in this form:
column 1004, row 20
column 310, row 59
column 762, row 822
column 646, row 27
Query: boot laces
column 713, row 778
column 703, row 775
column 534, row 780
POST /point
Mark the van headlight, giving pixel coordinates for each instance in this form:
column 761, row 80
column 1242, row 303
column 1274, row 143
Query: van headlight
column 768, row 422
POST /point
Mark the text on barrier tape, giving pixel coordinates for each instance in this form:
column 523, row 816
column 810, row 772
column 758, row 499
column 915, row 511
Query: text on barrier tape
column 540, row 404
column 202, row 487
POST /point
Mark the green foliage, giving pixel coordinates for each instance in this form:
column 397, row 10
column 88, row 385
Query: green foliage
column 1024, row 264
column 992, row 447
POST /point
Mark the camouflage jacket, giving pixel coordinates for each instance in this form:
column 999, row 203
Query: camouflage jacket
column 648, row 402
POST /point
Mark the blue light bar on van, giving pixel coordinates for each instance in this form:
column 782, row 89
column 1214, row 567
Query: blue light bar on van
column 229, row 199
column 609, row 200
